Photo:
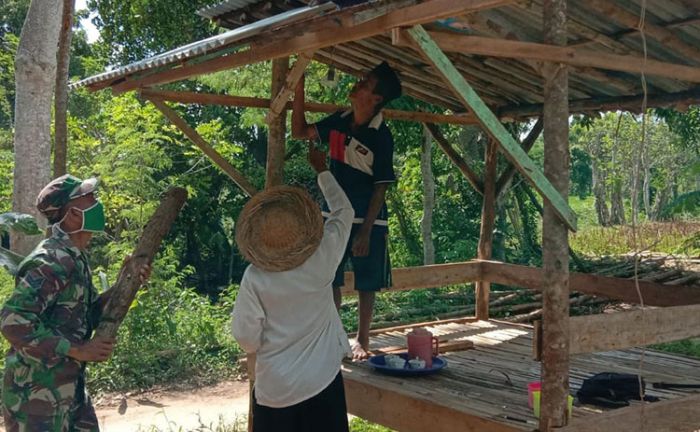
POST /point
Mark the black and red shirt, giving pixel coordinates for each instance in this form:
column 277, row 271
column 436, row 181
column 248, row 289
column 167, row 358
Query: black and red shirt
column 360, row 159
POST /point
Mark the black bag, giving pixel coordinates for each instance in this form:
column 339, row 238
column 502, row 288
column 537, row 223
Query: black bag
column 612, row 390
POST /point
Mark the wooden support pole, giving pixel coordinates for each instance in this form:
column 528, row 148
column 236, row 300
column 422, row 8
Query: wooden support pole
column 251, row 102
column 491, row 124
column 527, row 144
column 488, row 221
column 572, row 56
column 455, row 157
column 277, row 125
column 281, row 99
column 555, row 242
column 621, row 330
column 197, row 139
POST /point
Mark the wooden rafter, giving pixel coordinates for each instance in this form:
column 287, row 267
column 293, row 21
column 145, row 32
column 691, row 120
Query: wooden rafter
column 251, row 102
column 491, row 124
column 662, row 35
column 197, row 139
column 279, row 103
column 338, row 28
column 527, row 144
column 573, row 56
column 456, row 158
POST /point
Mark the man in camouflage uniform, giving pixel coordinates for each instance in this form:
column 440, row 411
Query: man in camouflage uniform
column 50, row 317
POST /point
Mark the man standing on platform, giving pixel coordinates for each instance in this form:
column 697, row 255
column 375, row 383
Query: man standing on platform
column 361, row 152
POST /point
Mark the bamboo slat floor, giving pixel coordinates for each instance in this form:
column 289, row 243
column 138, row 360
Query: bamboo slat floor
column 485, row 388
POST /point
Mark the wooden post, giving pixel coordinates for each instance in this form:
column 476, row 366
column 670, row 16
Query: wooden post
column 488, row 218
column 555, row 256
column 274, row 172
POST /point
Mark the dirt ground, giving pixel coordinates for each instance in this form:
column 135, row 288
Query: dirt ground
column 173, row 410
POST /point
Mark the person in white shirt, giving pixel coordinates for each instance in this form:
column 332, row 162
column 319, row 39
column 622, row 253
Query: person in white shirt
column 284, row 312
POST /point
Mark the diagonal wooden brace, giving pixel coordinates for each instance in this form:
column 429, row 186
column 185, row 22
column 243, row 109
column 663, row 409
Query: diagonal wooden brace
column 279, row 103
column 488, row 120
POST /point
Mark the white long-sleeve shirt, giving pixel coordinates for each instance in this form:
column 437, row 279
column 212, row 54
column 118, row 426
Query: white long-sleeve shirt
column 288, row 319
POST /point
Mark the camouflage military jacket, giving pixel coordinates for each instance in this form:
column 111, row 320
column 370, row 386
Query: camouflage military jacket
column 54, row 305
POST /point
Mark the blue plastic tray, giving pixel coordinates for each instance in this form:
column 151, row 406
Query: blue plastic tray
column 379, row 364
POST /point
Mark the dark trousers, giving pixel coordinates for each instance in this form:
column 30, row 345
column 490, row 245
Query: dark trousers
column 325, row 412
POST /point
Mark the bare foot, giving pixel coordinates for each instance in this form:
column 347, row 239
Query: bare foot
column 359, row 352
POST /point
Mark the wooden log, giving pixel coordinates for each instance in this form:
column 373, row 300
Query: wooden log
column 488, row 222
column 491, row 124
column 251, row 102
column 336, row 28
column 682, row 414
column 455, row 157
column 208, row 150
column 620, row 330
column 124, row 291
column 555, row 256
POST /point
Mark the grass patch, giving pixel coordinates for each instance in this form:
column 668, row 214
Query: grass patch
column 687, row 347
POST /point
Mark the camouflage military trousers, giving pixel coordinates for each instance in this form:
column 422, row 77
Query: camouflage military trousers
column 46, row 400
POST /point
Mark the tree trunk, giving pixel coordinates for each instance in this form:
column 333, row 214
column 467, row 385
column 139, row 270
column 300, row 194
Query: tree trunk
column 426, row 224
column 61, row 99
column 35, row 75
column 601, row 205
column 555, row 256
column 617, row 207
column 125, row 289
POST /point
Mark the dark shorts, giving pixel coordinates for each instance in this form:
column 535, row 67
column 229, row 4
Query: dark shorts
column 372, row 272
column 325, row 412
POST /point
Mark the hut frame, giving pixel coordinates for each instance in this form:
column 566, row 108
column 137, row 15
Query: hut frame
column 547, row 79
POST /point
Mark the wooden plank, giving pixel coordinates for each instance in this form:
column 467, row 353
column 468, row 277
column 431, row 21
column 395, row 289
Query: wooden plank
column 654, row 294
column 488, row 120
column 430, row 276
column 251, row 102
column 488, row 222
column 276, row 127
column 197, row 139
column 679, row 415
column 572, row 56
column 280, row 101
column 398, row 408
column 337, row 29
column 456, row 158
column 620, row 330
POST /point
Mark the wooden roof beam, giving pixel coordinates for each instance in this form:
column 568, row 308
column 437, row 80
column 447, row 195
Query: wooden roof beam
column 338, row 29
column 208, row 150
column 664, row 36
column 491, row 124
column 251, row 102
column 679, row 100
column 549, row 53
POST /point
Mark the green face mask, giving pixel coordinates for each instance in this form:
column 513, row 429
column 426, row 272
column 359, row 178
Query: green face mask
column 93, row 219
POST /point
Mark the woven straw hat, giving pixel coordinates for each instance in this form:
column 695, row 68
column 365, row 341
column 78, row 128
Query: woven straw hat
column 279, row 228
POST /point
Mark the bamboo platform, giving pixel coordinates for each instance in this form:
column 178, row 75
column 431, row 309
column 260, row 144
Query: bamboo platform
column 484, row 388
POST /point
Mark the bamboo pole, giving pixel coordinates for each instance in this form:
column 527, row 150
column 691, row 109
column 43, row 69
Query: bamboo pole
column 555, row 257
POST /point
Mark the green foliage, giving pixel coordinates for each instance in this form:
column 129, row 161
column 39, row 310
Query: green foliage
column 687, row 204
column 171, row 334
column 359, row 425
column 688, row 347
column 18, row 222
column 8, row 47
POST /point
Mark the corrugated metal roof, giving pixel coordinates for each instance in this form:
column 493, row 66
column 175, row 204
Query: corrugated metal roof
column 226, row 6
column 208, row 45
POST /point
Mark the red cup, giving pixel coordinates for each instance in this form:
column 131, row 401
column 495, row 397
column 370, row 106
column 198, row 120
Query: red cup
column 531, row 388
